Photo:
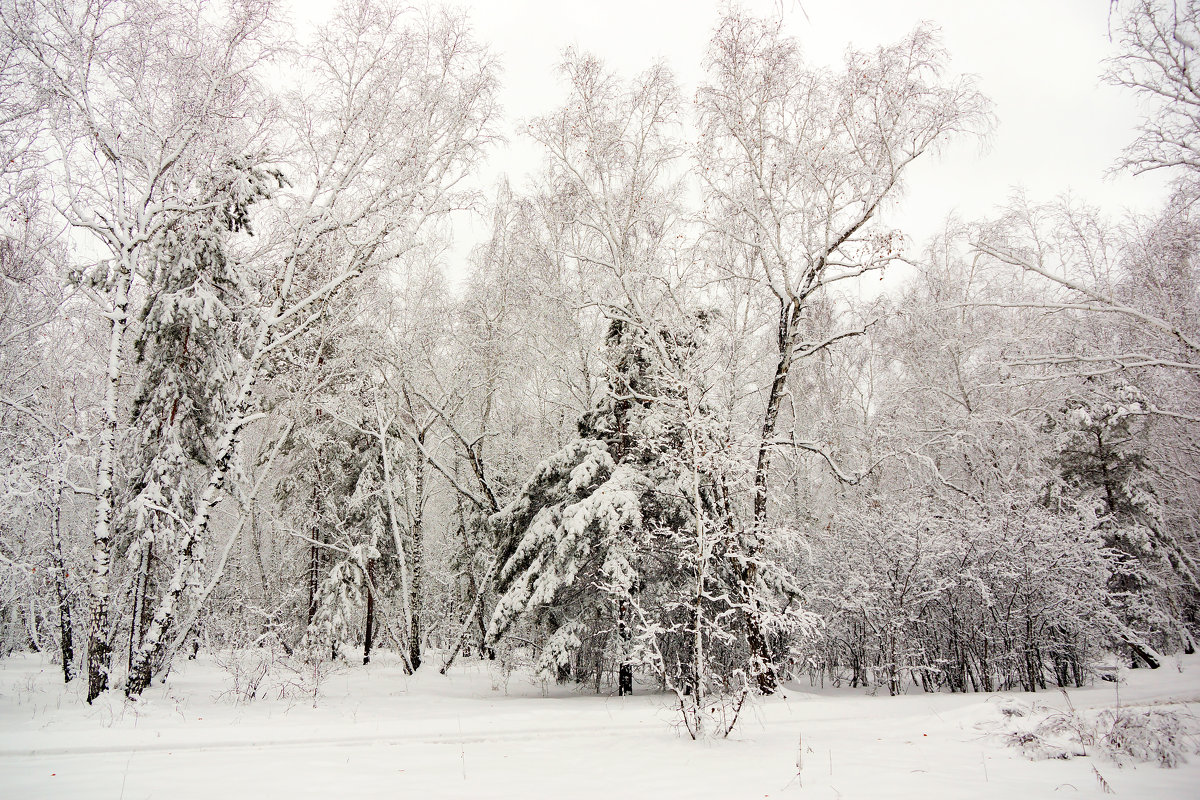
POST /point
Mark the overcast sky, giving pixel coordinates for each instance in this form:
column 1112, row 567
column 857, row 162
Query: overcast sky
column 1040, row 61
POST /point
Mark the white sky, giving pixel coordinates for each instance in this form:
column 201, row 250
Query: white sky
column 1059, row 129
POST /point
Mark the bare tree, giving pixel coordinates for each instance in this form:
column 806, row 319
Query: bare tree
column 796, row 164
column 399, row 108
column 1131, row 287
column 135, row 96
column 1135, row 282
column 1160, row 42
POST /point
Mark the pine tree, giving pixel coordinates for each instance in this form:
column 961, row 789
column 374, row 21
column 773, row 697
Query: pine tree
column 575, row 543
column 626, row 543
column 187, row 350
column 1103, row 457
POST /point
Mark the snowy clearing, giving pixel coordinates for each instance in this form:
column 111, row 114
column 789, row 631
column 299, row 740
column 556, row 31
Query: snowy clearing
column 375, row 732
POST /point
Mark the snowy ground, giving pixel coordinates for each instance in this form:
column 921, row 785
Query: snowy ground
column 473, row 734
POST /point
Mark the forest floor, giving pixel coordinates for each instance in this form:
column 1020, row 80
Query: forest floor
column 372, row 732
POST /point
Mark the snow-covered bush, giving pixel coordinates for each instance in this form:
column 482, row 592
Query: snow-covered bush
column 246, row 670
column 270, row 673
column 1164, row 737
column 1156, row 735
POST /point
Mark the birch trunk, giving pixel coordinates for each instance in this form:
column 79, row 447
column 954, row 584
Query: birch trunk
column 167, row 608
column 314, row 557
column 66, row 635
column 99, row 648
column 417, row 588
column 762, row 666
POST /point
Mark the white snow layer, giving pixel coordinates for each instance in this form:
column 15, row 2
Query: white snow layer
column 482, row 732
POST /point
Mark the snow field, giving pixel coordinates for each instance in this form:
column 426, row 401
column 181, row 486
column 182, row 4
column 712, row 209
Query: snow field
column 478, row 733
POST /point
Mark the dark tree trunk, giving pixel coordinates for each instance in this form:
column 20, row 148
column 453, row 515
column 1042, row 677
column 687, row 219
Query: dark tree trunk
column 99, row 652
column 314, row 560
column 66, row 635
column 762, row 666
column 625, row 679
column 369, row 634
column 625, row 670
column 141, row 585
column 417, row 589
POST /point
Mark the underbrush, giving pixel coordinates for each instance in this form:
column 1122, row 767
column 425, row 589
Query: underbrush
column 269, row 673
column 1163, row 736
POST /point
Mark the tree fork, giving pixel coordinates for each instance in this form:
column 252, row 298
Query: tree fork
column 762, row 666
column 99, row 648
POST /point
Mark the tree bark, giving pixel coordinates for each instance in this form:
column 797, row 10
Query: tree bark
column 762, row 666
column 368, row 635
column 314, row 557
column 66, row 635
column 625, row 670
column 141, row 585
column 416, row 589
column 789, row 317
column 99, row 648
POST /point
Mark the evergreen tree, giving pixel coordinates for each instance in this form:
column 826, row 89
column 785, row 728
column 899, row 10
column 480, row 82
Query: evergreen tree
column 626, row 543
column 1103, row 457
column 187, row 349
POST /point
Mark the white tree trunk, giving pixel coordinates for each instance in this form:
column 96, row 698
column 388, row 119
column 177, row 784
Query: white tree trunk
column 99, row 647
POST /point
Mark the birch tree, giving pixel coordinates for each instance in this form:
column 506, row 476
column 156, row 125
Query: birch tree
column 141, row 102
column 161, row 127
column 1140, row 284
column 1160, row 44
column 797, row 163
column 398, row 108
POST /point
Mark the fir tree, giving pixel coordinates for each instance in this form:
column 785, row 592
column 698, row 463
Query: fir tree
column 625, row 542
column 187, row 350
column 1103, row 457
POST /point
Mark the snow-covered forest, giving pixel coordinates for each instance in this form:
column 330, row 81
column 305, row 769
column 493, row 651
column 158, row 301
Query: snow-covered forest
column 661, row 429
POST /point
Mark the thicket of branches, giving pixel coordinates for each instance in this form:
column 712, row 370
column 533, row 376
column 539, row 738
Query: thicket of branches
column 657, row 433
